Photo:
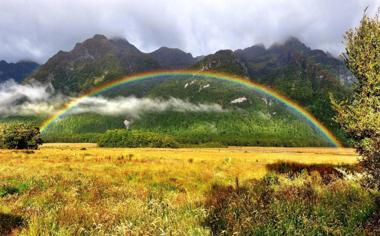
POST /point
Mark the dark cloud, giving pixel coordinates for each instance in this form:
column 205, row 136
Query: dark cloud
column 37, row 29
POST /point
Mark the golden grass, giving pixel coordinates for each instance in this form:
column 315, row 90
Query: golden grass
column 85, row 190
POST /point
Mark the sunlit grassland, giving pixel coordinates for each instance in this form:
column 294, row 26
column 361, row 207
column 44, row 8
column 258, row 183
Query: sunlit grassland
column 81, row 189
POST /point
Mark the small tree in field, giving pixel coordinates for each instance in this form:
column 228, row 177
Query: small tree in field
column 360, row 115
column 19, row 136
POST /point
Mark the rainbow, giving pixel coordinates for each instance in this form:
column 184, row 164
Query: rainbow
column 210, row 75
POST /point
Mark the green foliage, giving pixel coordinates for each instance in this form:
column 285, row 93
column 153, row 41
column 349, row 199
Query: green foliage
column 71, row 138
column 14, row 188
column 84, row 128
column 271, row 207
column 235, row 128
column 134, row 138
column 19, row 136
column 360, row 115
column 260, row 121
column 8, row 190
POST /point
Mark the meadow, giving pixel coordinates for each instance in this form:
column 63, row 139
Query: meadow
column 81, row 189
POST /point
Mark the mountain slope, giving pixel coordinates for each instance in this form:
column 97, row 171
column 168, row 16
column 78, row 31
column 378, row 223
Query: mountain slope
column 225, row 61
column 17, row 71
column 173, row 58
column 262, row 62
column 93, row 62
column 306, row 76
column 246, row 119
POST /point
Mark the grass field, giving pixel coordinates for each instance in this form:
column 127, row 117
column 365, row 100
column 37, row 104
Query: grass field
column 80, row 189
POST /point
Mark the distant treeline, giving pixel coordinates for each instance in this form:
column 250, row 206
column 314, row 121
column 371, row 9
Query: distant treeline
column 136, row 138
column 171, row 129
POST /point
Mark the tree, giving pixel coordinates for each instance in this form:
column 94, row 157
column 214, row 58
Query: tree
column 19, row 136
column 360, row 115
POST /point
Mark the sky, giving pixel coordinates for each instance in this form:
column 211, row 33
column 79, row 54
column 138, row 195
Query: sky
column 37, row 29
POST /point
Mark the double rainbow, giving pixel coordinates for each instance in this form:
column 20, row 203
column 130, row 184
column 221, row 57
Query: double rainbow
column 210, row 75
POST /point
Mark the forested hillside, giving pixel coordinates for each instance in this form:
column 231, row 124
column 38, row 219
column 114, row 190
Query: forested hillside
column 306, row 76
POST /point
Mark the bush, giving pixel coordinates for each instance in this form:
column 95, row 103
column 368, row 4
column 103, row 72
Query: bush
column 135, row 138
column 19, row 136
column 8, row 190
column 293, row 169
column 9, row 222
column 359, row 115
column 262, row 207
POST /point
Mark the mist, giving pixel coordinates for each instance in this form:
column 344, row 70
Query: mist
column 41, row 99
column 29, row 99
column 134, row 107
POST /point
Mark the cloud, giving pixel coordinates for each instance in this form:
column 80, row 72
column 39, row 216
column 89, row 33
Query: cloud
column 34, row 98
column 39, row 99
column 134, row 107
column 239, row 100
column 37, row 29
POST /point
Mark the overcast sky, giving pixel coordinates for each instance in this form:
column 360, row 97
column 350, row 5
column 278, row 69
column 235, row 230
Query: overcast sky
column 37, row 29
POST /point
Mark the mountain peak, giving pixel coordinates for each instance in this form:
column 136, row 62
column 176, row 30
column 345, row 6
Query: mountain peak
column 91, row 62
column 295, row 44
column 293, row 39
column 173, row 58
column 167, row 49
column 17, row 71
column 222, row 61
column 252, row 52
column 99, row 37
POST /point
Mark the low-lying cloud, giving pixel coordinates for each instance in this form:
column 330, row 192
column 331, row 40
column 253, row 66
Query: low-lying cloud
column 134, row 107
column 40, row 99
column 30, row 99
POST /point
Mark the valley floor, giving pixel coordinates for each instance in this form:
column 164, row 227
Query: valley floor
column 80, row 189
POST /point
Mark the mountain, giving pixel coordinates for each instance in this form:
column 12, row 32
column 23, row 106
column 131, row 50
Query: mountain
column 225, row 61
column 262, row 62
column 98, row 59
column 173, row 58
column 305, row 75
column 17, row 71
column 247, row 118
column 93, row 62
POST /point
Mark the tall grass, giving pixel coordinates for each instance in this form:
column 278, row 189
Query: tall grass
column 303, row 206
column 72, row 189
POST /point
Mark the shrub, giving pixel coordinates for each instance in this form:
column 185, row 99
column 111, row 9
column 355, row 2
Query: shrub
column 262, row 208
column 373, row 224
column 293, row 169
column 359, row 115
column 19, row 136
column 9, row 222
column 8, row 190
column 135, row 138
